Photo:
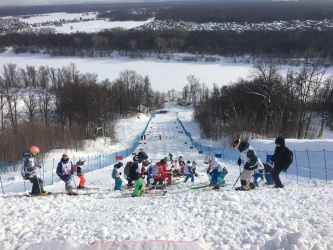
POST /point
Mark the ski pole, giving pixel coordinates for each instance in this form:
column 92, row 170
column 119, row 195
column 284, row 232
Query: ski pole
column 151, row 194
column 75, row 184
column 236, row 181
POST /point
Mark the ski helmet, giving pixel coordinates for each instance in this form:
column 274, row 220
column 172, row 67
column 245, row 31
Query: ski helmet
column 120, row 164
column 208, row 159
column 166, row 158
column 236, row 144
column 142, row 156
column 34, row 150
column 82, row 160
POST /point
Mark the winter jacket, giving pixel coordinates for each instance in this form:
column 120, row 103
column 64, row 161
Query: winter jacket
column 216, row 166
column 158, row 171
column 64, row 169
column 116, row 172
column 281, row 157
column 29, row 167
column 135, row 171
column 248, row 156
column 188, row 169
column 79, row 168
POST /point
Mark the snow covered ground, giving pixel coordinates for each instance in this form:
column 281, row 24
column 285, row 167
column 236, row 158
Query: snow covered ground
column 296, row 217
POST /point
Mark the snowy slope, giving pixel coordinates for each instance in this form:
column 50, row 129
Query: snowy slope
column 296, row 217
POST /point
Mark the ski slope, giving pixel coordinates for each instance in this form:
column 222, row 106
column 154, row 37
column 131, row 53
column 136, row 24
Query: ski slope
column 296, row 217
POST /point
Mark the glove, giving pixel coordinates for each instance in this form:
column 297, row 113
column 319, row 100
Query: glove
column 119, row 173
column 247, row 166
column 207, row 171
column 72, row 172
column 239, row 162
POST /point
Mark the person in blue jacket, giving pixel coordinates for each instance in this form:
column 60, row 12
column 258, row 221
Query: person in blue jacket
column 65, row 170
column 188, row 170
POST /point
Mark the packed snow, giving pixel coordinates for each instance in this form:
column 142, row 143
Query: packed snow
column 295, row 217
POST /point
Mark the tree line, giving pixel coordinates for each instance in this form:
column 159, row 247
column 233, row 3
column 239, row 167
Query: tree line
column 268, row 104
column 287, row 44
column 61, row 107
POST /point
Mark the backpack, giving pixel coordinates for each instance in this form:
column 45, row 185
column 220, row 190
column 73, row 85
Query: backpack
column 289, row 156
column 127, row 168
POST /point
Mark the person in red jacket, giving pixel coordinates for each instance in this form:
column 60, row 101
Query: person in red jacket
column 158, row 172
column 167, row 174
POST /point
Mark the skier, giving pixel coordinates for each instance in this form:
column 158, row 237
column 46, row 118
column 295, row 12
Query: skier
column 80, row 173
column 182, row 167
column 170, row 156
column 250, row 159
column 116, row 175
column 217, row 171
column 149, row 170
column 282, row 159
column 29, row 169
column 65, row 170
column 188, row 170
column 259, row 172
column 136, row 174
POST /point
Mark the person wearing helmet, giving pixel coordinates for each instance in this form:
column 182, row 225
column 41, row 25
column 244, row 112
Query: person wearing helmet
column 80, row 173
column 29, row 171
column 249, row 158
column 217, row 171
column 136, row 174
column 65, row 170
column 116, row 175
column 148, row 170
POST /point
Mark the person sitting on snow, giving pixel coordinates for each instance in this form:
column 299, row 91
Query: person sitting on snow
column 217, row 171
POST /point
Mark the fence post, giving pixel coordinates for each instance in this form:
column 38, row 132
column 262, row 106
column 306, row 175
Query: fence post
column 1, row 185
column 325, row 163
column 295, row 157
column 307, row 152
column 52, row 171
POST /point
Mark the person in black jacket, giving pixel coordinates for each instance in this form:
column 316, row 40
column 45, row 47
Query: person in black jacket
column 282, row 158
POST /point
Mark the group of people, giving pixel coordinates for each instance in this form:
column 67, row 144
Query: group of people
column 65, row 170
column 166, row 168
column 255, row 169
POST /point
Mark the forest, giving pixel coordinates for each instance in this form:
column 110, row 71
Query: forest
column 61, row 107
column 267, row 105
